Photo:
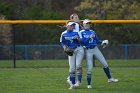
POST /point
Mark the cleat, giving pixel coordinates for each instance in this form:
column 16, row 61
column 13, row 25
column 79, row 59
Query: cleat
column 77, row 84
column 72, row 87
column 69, row 82
column 112, row 80
column 68, row 77
column 89, row 86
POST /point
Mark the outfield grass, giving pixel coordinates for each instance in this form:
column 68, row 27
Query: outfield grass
column 63, row 63
column 52, row 79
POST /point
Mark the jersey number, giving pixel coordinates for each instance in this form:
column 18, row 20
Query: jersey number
column 71, row 41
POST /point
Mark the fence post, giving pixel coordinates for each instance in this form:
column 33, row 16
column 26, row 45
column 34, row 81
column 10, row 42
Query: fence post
column 126, row 51
column 25, row 52
column 93, row 61
column 14, row 47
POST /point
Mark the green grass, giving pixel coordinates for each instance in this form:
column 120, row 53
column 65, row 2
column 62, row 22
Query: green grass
column 63, row 63
column 52, row 79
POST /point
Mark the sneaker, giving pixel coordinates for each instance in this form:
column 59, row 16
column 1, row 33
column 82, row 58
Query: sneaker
column 68, row 77
column 69, row 82
column 72, row 87
column 112, row 80
column 89, row 86
column 77, row 84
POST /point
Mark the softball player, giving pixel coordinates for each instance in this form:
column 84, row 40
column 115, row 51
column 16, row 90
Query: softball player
column 74, row 17
column 90, row 41
column 70, row 39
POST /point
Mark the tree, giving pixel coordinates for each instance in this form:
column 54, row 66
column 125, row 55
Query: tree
column 113, row 9
column 110, row 9
column 5, row 38
column 5, row 32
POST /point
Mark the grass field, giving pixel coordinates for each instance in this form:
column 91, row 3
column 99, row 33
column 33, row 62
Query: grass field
column 30, row 78
column 63, row 63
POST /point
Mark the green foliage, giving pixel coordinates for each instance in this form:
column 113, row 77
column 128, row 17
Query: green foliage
column 40, row 34
column 119, row 33
column 57, row 10
column 110, row 9
column 6, row 9
column 38, row 12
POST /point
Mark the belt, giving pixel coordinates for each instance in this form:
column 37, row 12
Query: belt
column 90, row 47
column 78, row 46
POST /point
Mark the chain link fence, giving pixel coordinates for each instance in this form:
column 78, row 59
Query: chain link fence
column 53, row 56
column 44, row 52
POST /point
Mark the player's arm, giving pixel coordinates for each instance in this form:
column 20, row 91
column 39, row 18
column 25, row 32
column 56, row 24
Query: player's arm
column 62, row 41
column 103, row 43
column 80, row 24
column 67, row 50
column 63, row 45
column 98, row 41
column 83, row 40
column 79, row 37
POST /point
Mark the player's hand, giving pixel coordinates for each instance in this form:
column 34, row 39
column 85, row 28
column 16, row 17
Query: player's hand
column 105, row 43
column 76, row 37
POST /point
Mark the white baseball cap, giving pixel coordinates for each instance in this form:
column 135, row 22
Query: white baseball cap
column 70, row 23
column 86, row 21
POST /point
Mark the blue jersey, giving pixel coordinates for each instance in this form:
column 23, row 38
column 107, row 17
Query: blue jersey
column 67, row 38
column 76, row 27
column 88, row 42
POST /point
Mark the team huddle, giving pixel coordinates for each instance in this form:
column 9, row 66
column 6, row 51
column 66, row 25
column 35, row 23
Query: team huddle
column 76, row 44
